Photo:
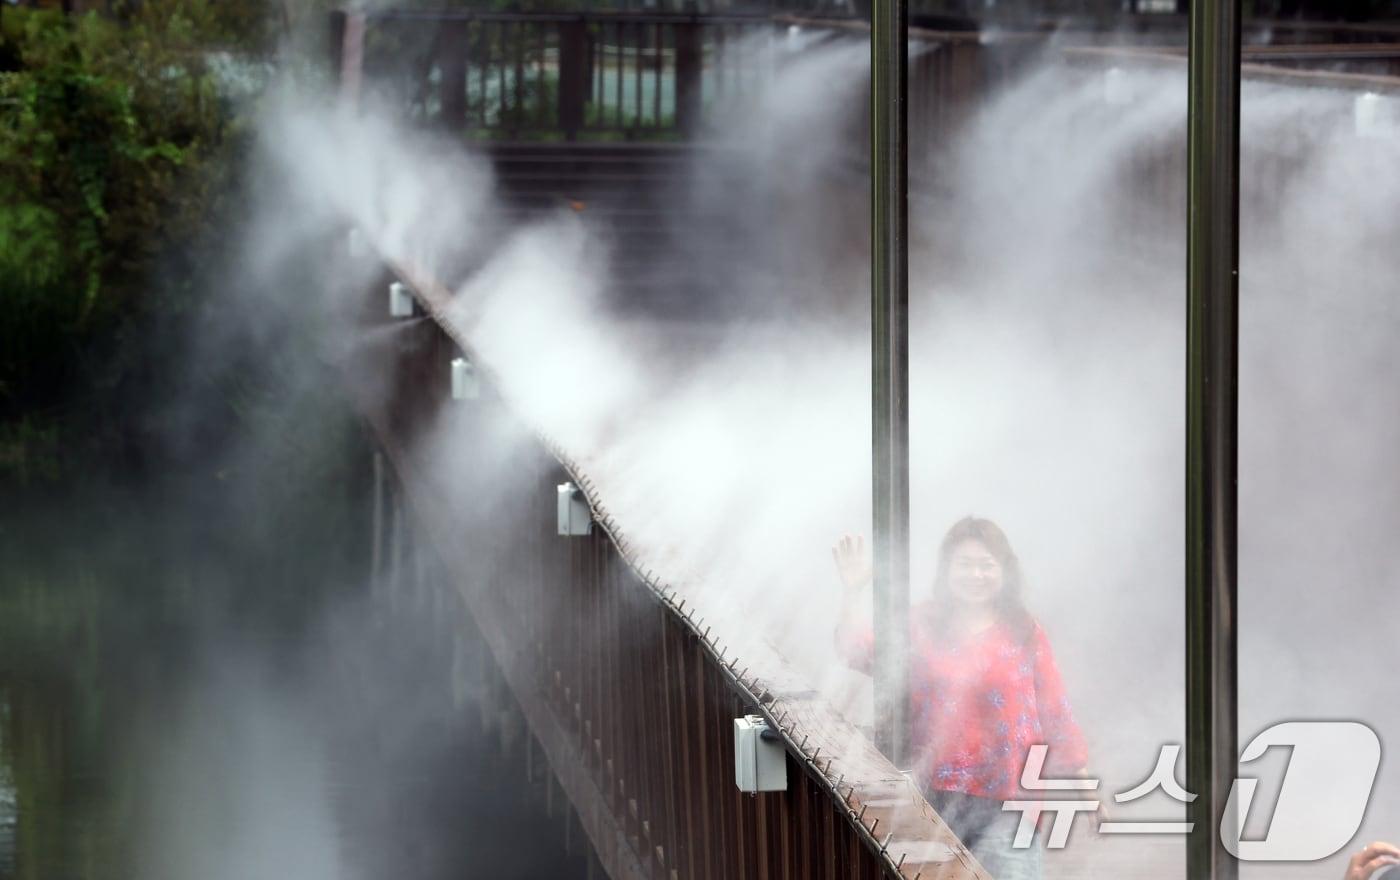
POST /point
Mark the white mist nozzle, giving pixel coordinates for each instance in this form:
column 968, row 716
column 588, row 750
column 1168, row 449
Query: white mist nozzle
column 1374, row 115
column 1116, row 90
column 574, row 515
column 400, row 301
column 760, row 761
column 466, row 385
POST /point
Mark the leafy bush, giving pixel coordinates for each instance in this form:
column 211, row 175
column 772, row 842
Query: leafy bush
column 113, row 142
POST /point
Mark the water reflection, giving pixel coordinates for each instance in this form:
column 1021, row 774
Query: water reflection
column 185, row 692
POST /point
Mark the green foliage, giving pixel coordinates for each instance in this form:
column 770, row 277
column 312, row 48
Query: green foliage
column 66, row 136
column 114, row 139
column 29, row 450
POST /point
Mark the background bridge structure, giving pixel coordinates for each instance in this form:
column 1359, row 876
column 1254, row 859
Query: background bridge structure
column 620, row 694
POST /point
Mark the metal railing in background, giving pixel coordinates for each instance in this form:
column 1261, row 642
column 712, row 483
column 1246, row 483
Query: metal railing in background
column 560, row 76
column 657, row 76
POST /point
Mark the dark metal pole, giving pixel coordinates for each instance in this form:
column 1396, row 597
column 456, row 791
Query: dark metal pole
column 690, row 71
column 1212, row 411
column 575, row 78
column 889, row 311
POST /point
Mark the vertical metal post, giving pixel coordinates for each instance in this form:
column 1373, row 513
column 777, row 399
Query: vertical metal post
column 395, row 575
column 349, row 28
column 889, row 312
column 336, row 46
column 1212, row 393
column 452, row 65
column 574, row 76
column 376, row 556
column 690, row 69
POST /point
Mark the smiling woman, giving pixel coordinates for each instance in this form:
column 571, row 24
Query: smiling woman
column 984, row 687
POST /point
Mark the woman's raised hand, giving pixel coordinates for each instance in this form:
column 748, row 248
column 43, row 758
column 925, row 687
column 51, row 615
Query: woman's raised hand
column 1366, row 863
column 851, row 560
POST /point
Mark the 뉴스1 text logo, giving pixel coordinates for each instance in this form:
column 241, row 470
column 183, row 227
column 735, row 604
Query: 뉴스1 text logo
column 1325, row 788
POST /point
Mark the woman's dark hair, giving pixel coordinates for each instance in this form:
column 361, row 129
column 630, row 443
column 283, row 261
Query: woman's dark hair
column 1011, row 607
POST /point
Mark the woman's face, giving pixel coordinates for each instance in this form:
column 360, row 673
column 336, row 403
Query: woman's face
column 974, row 575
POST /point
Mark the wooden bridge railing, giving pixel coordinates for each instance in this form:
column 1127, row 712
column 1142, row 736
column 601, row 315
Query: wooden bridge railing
column 630, row 695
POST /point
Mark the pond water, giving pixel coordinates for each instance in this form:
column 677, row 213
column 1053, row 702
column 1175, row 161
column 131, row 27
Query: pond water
column 195, row 684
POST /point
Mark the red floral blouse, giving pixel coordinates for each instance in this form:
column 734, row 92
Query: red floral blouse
column 978, row 705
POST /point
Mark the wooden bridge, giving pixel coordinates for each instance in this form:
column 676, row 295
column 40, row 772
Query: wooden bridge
column 623, row 693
